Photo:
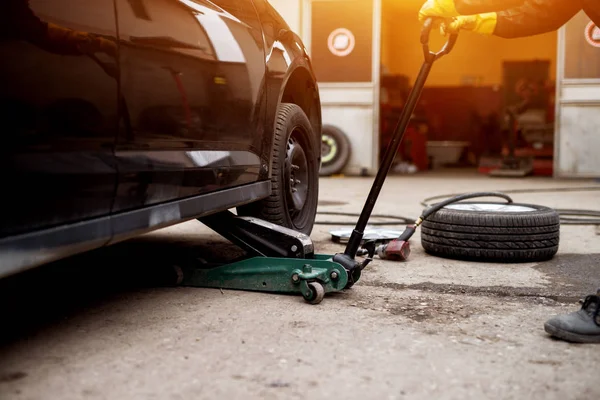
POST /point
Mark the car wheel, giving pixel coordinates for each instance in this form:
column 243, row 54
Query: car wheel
column 294, row 176
column 492, row 232
column 335, row 150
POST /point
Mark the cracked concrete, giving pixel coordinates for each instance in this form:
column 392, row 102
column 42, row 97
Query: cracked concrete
column 89, row 328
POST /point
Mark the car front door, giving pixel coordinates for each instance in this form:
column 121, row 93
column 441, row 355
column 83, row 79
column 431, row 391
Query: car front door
column 58, row 106
column 192, row 74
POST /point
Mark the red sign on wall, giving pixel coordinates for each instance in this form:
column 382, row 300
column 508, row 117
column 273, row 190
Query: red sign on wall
column 342, row 40
column 592, row 34
column 582, row 48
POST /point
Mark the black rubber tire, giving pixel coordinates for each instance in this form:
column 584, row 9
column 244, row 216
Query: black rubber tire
column 343, row 150
column 291, row 124
column 505, row 237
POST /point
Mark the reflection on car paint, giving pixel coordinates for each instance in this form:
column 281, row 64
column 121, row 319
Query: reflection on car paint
column 223, row 158
column 58, row 98
column 166, row 159
column 278, row 46
column 223, row 42
column 185, row 86
column 108, row 136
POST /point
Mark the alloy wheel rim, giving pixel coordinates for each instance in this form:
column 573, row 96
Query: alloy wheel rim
column 296, row 177
column 328, row 148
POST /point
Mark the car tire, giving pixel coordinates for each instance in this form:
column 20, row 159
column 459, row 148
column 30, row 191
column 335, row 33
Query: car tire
column 505, row 233
column 335, row 150
column 294, row 175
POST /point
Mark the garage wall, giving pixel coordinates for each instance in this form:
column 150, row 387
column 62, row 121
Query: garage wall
column 401, row 51
column 578, row 102
column 348, row 84
column 474, row 56
column 291, row 11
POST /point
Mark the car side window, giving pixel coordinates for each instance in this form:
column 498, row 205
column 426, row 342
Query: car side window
column 260, row 5
column 242, row 9
column 139, row 9
column 232, row 6
column 146, row 22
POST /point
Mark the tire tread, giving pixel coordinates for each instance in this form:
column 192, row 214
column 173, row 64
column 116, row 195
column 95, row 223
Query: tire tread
column 492, row 236
column 273, row 208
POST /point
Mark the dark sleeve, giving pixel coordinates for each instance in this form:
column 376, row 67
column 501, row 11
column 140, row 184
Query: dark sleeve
column 470, row 7
column 535, row 17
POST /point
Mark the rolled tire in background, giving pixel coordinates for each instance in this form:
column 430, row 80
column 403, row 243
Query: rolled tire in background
column 494, row 232
column 335, row 150
column 294, row 176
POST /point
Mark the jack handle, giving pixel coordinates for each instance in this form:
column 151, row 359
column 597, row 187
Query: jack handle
column 431, row 56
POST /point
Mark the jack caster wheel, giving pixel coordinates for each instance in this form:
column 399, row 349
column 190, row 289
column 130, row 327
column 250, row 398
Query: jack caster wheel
column 317, row 293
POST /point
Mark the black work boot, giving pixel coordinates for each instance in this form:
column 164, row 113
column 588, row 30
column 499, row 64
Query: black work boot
column 581, row 326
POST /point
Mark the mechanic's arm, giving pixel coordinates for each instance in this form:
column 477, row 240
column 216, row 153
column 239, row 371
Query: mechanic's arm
column 532, row 18
column 470, row 7
column 454, row 8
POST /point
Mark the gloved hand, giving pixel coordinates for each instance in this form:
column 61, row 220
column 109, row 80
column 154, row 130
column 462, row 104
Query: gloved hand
column 438, row 9
column 484, row 24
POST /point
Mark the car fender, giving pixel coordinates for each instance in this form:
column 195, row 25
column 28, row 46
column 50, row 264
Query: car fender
column 288, row 63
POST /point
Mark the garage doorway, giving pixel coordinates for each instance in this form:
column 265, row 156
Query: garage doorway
column 460, row 119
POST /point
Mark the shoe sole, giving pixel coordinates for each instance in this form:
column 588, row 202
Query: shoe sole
column 569, row 336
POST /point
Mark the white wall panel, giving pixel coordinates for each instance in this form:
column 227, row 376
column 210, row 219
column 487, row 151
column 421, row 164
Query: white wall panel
column 357, row 123
column 579, row 141
column 577, row 137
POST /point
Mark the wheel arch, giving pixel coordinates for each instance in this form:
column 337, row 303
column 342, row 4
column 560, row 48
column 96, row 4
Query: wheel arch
column 301, row 89
column 290, row 79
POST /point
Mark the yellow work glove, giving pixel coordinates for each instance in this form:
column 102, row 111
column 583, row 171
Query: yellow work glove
column 484, row 24
column 438, row 9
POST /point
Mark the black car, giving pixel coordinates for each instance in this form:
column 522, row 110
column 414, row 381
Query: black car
column 125, row 116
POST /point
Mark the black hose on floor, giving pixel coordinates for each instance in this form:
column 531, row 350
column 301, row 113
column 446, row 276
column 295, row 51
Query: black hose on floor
column 595, row 220
column 425, row 202
column 567, row 216
column 396, row 220
column 459, row 197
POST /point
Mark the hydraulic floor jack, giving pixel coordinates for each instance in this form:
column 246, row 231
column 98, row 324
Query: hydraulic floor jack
column 282, row 260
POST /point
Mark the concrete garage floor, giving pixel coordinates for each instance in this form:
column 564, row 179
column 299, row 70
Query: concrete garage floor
column 428, row 328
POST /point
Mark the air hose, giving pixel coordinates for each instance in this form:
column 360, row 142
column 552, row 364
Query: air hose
column 567, row 216
column 395, row 219
column 399, row 248
column 410, row 229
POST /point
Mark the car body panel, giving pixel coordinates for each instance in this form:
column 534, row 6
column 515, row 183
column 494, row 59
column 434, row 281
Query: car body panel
column 21, row 252
column 115, row 135
column 58, row 101
column 188, row 88
column 287, row 60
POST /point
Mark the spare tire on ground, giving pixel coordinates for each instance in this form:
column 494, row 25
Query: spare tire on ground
column 335, row 150
column 497, row 232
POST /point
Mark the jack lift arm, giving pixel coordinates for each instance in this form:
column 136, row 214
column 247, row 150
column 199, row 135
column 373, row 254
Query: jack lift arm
column 282, row 260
